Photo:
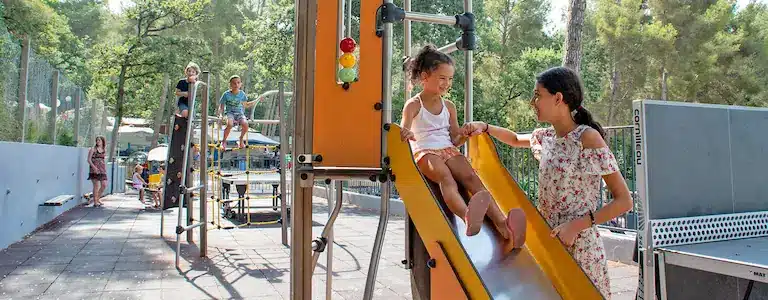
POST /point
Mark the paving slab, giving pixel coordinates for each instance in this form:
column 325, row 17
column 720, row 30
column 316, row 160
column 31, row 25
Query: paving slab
column 116, row 252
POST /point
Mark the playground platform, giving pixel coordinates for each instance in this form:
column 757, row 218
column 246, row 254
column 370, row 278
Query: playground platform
column 115, row 252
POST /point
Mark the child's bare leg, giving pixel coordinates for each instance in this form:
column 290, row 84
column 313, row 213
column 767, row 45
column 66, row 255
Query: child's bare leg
column 463, row 172
column 184, row 113
column 435, row 169
column 243, row 131
column 226, row 134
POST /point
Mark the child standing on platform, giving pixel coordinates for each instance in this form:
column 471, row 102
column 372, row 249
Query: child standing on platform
column 233, row 102
column 429, row 122
column 182, row 88
column 573, row 159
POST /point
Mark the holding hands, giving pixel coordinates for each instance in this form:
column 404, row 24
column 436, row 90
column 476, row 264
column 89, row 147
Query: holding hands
column 468, row 130
column 474, row 128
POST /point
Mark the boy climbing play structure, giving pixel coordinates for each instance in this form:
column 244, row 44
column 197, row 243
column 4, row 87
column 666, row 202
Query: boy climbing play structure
column 344, row 131
column 180, row 190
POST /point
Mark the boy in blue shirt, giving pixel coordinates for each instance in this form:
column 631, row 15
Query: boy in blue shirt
column 234, row 101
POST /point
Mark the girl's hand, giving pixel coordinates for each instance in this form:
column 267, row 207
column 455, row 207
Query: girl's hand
column 474, row 128
column 406, row 134
column 567, row 232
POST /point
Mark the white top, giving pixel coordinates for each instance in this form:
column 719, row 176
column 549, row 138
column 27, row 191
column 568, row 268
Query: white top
column 430, row 130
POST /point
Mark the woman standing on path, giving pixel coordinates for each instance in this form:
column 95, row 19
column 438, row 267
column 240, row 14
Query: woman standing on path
column 98, row 170
column 573, row 159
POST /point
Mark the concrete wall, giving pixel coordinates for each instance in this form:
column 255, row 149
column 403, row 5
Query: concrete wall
column 396, row 206
column 30, row 174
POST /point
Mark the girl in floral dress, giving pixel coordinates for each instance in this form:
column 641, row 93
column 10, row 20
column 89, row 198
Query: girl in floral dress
column 97, row 172
column 573, row 158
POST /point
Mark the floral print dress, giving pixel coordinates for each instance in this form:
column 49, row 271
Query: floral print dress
column 569, row 186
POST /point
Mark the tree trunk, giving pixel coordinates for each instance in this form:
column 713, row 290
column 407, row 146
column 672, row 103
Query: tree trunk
column 572, row 56
column 615, row 80
column 505, row 26
column 118, row 113
column 247, row 82
column 216, row 77
column 663, row 83
column 160, row 111
column 247, row 76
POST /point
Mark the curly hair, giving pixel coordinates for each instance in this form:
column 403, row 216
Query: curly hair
column 427, row 60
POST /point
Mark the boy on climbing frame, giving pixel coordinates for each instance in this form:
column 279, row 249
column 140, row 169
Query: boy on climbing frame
column 233, row 103
column 182, row 88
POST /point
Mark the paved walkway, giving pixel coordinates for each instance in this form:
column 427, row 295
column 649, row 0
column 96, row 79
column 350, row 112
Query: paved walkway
column 115, row 252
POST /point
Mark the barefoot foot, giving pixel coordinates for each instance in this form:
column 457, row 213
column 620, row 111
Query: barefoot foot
column 478, row 206
column 516, row 224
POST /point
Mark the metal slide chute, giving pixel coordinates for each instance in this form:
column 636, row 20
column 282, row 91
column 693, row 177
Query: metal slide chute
column 483, row 268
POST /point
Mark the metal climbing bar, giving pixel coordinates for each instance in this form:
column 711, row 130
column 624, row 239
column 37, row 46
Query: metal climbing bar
column 185, row 165
column 430, row 18
column 319, row 245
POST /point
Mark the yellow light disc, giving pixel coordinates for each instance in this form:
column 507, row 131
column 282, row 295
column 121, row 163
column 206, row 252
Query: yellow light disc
column 347, row 60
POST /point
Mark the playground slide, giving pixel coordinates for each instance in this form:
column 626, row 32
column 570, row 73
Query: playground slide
column 541, row 270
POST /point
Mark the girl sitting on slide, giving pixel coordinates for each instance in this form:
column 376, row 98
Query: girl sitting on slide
column 574, row 158
column 429, row 123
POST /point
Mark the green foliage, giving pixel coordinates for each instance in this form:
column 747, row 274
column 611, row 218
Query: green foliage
column 50, row 34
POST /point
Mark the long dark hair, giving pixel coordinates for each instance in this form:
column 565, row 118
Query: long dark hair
column 427, row 60
column 103, row 143
column 565, row 81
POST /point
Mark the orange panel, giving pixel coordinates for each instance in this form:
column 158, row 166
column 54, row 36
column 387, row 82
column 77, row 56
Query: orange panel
column 445, row 285
column 346, row 127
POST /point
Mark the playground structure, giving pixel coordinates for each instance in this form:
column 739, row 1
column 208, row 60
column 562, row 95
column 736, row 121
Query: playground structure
column 466, row 268
column 180, row 191
column 437, row 251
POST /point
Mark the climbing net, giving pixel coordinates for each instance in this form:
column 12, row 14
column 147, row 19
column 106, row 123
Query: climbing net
column 221, row 203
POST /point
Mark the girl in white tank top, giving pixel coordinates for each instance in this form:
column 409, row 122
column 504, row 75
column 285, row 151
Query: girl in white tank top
column 433, row 138
column 430, row 131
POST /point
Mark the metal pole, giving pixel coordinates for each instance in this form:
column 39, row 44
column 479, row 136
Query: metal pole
column 301, row 222
column 204, row 166
column 370, row 282
column 332, row 216
column 406, row 84
column 77, row 117
column 468, row 70
column 386, row 118
column 283, row 166
column 430, row 18
column 184, row 168
column 54, row 107
column 329, row 255
column 349, row 18
column 23, row 87
column 339, row 33
column 448, row 49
